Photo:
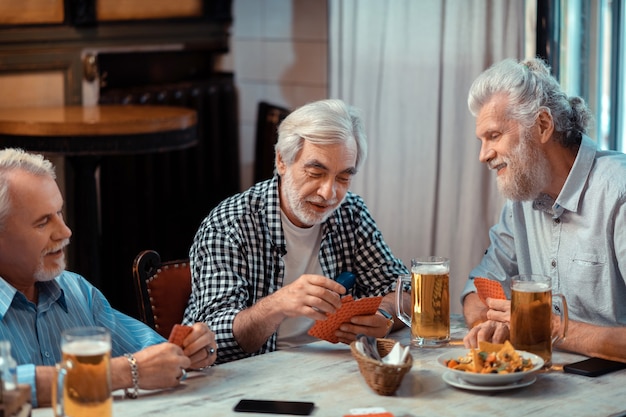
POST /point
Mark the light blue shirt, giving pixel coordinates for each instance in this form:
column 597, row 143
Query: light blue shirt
column 67, row 301
column 579, row 240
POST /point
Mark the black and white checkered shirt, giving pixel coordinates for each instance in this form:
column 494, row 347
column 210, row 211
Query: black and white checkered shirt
column 236, row 259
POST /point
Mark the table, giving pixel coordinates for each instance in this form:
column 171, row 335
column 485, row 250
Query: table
column 84, row 135
column 327, row 375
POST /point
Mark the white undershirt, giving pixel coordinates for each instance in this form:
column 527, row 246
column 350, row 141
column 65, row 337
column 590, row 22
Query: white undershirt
column 302, row 257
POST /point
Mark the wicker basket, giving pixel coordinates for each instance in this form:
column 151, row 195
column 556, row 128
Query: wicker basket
column 382, row 378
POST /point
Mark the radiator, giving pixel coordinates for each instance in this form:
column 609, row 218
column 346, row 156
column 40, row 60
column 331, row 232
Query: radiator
column 157, row 201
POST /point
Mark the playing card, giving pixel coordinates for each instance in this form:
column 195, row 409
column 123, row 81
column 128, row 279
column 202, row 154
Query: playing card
column 325, row 329
column 488, row 288
column 178, row 334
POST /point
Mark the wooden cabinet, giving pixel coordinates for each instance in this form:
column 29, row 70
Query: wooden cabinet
column 139, row 52
column 31, row 12
column 93, row 12
column 120, row 10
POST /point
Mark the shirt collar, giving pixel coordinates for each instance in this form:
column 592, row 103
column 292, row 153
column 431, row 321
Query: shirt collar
column 273, row 214
column 7, row 293
column 571, row 193
column 49, row 293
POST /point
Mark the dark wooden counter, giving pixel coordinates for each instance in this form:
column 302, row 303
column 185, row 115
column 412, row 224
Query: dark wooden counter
column 84, row 134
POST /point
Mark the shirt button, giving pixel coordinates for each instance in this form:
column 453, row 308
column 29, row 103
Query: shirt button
column 46, row 354
column 557, row 221
column 553, row 263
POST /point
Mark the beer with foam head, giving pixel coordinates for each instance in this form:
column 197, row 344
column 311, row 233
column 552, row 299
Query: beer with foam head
column 84, row 376
column 534, row 327
column 531, row 312
column 430, row 296
column 429, row 316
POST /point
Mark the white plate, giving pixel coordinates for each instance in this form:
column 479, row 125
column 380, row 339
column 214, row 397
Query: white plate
column 488, row 379
column 451, row 379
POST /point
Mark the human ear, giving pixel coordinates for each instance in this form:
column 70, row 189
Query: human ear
column 280, row 164
column 545, row 124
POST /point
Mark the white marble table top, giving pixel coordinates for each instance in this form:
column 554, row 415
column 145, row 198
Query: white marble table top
column 327, row 375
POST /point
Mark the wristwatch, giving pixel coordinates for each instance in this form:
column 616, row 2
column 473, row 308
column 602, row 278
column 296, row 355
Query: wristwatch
column 389, row 317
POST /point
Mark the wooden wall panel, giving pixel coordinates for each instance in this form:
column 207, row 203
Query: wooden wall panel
column 27, row 12
column 32, row 89
column 115, row 10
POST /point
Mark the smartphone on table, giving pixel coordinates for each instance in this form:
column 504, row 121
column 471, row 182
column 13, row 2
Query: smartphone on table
column 593, row 367
column 298, row 408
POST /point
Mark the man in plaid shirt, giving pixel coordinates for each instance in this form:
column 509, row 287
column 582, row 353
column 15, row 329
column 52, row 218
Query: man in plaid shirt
column 264, row 261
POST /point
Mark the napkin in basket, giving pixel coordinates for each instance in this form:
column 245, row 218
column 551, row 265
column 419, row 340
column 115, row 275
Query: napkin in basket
column 367, row 346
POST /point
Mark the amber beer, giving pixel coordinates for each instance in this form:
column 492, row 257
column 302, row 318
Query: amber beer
column 84, row 381
column 430, row 296
column 531, row 318
column 538, row 316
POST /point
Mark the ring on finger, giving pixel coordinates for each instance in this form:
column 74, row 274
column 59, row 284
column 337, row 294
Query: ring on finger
column 183, row 375
column 210, row 350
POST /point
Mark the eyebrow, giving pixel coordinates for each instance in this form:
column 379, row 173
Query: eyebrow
column 317, row 164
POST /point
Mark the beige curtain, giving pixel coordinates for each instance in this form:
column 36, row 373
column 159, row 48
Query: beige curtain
column 408, row 65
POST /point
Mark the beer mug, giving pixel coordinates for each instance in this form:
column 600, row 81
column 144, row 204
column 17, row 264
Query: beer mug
column 430, row 301
column 83, row 384
column 538, row 317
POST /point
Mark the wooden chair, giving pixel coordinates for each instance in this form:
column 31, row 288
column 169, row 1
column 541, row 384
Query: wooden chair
column 162, row 290
column 269, row 117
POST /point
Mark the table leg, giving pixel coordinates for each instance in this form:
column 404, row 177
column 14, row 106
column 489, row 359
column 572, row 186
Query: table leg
column 83, row 206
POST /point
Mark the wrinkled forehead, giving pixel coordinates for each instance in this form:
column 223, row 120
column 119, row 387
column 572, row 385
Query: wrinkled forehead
column 339, row 156
column 33, row 195
column 492, row 115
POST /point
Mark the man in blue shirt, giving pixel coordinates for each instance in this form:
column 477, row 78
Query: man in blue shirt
column 565, row 213
column 39, row 299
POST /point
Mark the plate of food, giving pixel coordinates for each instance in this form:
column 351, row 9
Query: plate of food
column 490, row 365
column 451, row 379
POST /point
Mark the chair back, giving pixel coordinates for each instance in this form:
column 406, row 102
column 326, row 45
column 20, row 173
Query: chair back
column 269, row 117
column 162, row 290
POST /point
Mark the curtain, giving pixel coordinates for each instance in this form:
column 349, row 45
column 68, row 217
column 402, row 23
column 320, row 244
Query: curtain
column 408, row 65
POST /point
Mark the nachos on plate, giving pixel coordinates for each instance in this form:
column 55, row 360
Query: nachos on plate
column 491, row 358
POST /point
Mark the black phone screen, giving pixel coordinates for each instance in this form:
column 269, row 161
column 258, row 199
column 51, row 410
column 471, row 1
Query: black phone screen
column 593, row 367
column 298, row 408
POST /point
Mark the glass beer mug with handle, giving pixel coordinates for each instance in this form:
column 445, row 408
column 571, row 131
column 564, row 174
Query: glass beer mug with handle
column 83, row 384
column 538, row 317
column 430, row 301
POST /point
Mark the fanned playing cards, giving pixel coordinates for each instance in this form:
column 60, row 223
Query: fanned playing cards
column 325, row 329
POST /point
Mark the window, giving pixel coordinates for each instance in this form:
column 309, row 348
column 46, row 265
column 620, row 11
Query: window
column 588, row 39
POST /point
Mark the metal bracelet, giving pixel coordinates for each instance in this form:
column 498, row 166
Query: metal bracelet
column 134, row 374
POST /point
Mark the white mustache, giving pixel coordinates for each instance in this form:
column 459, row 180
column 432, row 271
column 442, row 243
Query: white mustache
column 323, row 202
column 496, row 164
column 59, row 247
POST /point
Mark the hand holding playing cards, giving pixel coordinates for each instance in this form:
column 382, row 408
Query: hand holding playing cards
column 197, row 342
column 310, row 295
column 352, row 318
column 491, row 293
column 496, row 328
column 499, row 310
